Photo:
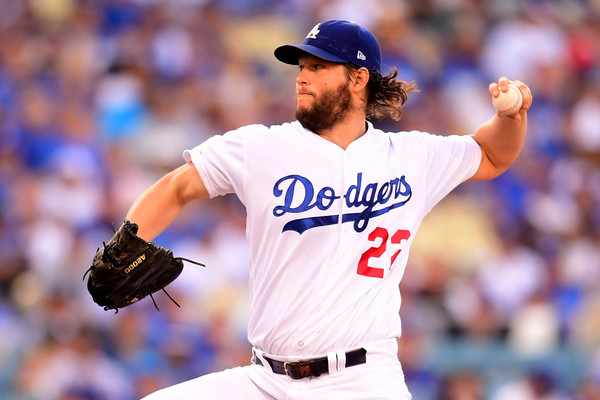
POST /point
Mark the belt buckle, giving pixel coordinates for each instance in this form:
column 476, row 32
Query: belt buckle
column 286, row 364
column 300, row 370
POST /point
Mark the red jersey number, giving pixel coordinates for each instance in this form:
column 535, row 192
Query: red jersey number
column 378, row 251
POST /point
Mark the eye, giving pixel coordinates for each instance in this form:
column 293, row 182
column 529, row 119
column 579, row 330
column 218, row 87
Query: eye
column 311, row 66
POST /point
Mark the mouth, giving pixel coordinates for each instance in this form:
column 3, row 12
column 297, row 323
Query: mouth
column 302, row 94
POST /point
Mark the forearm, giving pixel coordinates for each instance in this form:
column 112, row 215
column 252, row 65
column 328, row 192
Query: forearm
column 156, row 208
column 501, row 140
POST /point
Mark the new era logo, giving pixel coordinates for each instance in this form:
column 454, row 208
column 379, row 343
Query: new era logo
column 361, row 56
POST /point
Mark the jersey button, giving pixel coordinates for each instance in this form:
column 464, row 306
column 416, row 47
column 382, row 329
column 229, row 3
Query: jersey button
column 300, row 343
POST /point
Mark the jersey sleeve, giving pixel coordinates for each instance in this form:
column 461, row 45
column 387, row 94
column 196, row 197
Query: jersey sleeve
column 221, row 162
column 451, row 161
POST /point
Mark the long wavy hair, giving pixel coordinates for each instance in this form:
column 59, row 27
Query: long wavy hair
column 386, row 94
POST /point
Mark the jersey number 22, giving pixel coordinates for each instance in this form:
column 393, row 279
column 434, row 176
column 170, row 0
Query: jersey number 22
column 378, row 251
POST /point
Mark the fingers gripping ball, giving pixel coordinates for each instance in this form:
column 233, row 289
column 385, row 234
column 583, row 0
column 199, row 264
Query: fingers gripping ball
column 509, row 102
column 128, row 268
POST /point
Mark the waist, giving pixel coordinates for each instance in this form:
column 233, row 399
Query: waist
column 332, row 363
column 312, row 367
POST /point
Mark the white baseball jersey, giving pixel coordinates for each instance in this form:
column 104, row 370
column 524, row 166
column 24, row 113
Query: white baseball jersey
column 329, row 229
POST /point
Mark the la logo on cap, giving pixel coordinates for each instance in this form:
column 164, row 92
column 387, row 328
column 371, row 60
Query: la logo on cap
column 336, row 41
column 314, row 32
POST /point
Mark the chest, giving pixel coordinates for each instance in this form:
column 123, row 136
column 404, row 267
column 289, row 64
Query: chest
column 301, row 188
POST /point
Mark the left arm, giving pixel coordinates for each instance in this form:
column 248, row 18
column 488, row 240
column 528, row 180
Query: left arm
column 501, row 138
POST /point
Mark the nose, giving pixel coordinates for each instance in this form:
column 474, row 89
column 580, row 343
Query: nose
column 301, row 78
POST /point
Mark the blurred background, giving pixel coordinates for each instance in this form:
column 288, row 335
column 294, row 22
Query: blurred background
column 98, row 99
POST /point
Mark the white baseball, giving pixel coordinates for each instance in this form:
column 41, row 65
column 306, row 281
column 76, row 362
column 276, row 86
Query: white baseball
column 509, row 102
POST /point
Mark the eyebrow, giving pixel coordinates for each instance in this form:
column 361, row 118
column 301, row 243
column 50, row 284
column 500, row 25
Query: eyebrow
column 310, row 59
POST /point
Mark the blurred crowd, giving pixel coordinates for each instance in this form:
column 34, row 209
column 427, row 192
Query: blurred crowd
column 98, row 99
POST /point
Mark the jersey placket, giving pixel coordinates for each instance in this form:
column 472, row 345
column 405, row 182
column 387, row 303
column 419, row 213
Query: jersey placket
column 324, row 288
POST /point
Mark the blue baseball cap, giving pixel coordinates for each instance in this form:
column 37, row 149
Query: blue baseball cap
column 336, row 41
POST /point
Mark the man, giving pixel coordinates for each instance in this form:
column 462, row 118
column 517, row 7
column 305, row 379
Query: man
column 333, row 205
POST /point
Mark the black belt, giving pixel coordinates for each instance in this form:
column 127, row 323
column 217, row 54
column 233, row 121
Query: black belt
column 311, row 368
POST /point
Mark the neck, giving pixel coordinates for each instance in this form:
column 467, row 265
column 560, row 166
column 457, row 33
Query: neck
column 346, row 131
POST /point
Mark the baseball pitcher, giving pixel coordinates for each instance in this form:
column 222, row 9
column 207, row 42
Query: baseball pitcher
column 333, row 205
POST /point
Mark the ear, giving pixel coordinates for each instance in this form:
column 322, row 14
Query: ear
column 359, row 79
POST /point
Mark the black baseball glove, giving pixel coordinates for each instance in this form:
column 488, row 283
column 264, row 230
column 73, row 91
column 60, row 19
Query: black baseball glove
column 128, row 268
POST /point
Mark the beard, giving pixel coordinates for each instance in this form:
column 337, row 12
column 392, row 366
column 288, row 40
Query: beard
column 329, row 108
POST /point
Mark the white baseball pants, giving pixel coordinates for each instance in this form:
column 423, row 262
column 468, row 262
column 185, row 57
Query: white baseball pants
column 380, row 378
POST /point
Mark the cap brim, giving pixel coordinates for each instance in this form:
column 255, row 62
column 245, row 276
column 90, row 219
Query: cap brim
column 290, row 53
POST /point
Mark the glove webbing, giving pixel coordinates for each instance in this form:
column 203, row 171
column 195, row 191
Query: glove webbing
column 163, row 289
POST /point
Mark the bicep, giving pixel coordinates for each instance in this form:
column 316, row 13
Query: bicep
column 188, row 183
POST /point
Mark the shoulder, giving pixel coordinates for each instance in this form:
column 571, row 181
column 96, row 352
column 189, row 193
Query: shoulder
column 287, row 128
column 404, row 137
column 418, row 143
column 260, row 129
column 427, row 137
column 247, row 130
